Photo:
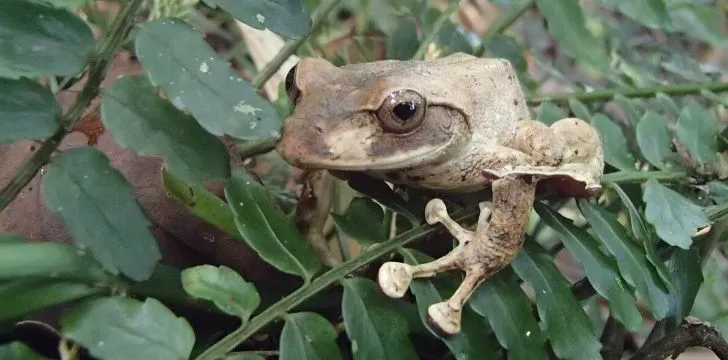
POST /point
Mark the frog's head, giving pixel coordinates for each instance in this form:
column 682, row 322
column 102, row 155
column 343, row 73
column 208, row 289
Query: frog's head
column 368, row 117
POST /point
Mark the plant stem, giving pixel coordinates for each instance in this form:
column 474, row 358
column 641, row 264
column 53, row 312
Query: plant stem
column 601, row 95
column 436, row 26
column 290, row 47
column 318, row 284
column 641, row 176
column 97, row 70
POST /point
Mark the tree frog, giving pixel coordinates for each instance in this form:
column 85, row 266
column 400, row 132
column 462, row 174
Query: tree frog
column 453, row 124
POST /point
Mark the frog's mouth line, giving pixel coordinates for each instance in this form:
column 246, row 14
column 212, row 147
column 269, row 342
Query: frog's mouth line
column 394, row 162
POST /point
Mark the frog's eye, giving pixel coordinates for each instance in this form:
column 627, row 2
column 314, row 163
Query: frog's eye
column 402, row 111
column 291, row 88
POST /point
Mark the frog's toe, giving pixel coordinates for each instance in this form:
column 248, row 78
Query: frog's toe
column 435, row 211
column 394, row 278
column 444, row 318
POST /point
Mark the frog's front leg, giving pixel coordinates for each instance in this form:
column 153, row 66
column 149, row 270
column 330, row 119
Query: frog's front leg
column 494, row 243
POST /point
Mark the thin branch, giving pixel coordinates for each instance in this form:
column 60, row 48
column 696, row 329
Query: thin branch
column 97, row 70
column 603, row 95
column 505, row 23
column 691, row 333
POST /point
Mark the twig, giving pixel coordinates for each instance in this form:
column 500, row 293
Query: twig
column 505, row 23
column 691, row 333
column 97, row 70
column 601, row 95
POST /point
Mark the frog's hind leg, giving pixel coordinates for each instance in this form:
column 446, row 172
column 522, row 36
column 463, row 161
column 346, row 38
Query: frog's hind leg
column 480, row 253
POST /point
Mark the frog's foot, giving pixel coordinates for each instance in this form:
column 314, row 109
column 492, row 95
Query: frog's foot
column 394, row 278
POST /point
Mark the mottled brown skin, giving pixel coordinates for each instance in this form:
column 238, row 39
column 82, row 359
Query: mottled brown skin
column 464, row 126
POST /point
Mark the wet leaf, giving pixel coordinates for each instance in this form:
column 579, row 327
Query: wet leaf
column 287, row 18
column 28, row 110
column 308, row 336
column 687, row 276
column 271, row 233
column 674, row 217
column 224, row 287
column 16, row 350
column 374, row 326
column 600, row 269
column 123, row 328
column 142, row 121
column 36, row 37
column 564, row 321
column 194, row 78
column 98, row 207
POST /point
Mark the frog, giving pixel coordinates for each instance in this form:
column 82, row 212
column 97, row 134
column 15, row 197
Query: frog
column 455, row 124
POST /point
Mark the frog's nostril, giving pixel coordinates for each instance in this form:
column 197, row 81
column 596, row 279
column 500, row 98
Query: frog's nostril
column 318, row 129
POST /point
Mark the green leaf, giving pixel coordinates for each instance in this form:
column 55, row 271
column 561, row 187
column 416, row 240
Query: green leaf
column 195, row 78
column 655, row 141
column 16, row 350
column 142, row 121
column 374, row 326
column 579, row 110
column 202, row 203
column 508, row 310
column 645, row 235
column 696, row 129
column 630, row 109
column 650, row 13
column 271, row 233
column 599, row 268
column 403, row 42
column 27, row 111
column 123, row 328
column 567, row 24
column 674, row 217
column 38, row 38
column 471, row 342
column 364, row 221
column 244, row 356
column 48, row 259
column 26, row 296
column 668, row 105
column 700, row 22
column 223, row 286
column 548, row 113
column 287, row 18
column 632, row 263
column 308, row 336
column 687, row 275
column 614, row 143
column 98, row 207
column 718, row 191
column 564, row 321
column 506, row 47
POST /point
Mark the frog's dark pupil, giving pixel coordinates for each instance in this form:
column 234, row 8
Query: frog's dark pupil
column 405, row 110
